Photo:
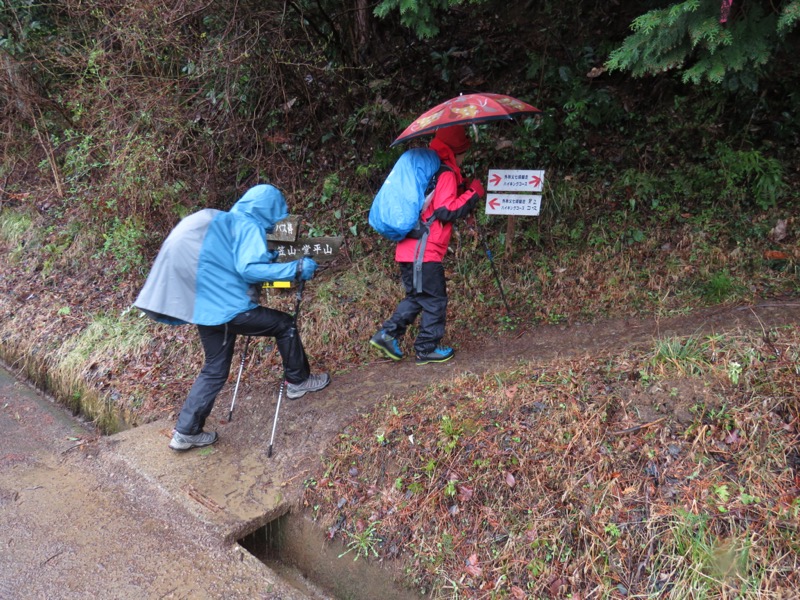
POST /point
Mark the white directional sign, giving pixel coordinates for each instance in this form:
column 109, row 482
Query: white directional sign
column 513, row 204
column 503, row 180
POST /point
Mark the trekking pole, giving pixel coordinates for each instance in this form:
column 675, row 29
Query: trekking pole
column 275, row 421
column 238, row 377
column 298, row 298
column 494, row 269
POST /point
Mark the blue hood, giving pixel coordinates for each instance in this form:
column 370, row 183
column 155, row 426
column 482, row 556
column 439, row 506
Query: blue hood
column 212, row 261
column 265, row 203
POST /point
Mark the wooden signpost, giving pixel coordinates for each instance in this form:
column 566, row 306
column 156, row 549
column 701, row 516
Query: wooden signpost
column 285, row 241
column 285, row 231
column 322, row 249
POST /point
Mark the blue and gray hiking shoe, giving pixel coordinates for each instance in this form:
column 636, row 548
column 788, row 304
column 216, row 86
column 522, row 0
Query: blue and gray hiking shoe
column 386, row 344
column 182, row 441
column 440, row 355
column 314, row 383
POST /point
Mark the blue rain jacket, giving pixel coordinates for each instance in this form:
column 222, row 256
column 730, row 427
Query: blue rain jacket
column 213, row 263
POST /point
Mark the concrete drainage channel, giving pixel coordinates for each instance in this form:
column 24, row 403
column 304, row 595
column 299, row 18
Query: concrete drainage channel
column 40, row 436
column 293, row 547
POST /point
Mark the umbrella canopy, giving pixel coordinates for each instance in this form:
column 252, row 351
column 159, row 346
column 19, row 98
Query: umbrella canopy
column 466, row 109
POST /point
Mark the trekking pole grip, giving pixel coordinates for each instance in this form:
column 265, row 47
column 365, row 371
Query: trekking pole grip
column 301, row 284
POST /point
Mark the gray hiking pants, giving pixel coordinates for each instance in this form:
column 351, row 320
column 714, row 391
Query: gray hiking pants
column 218, row 343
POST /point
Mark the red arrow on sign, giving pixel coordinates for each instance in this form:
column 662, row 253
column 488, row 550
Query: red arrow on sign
column 536, row 181
column 494, row 203
column 496, row 179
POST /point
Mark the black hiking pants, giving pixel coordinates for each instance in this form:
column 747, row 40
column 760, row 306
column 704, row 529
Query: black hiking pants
column 218, row 343
column 431, row 302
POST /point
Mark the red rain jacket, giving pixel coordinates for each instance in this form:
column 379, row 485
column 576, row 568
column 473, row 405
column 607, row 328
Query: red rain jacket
column 447, row 205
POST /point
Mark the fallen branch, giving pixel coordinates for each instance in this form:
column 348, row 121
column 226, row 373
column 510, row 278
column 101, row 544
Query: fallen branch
column 638, row 427
column 201, row 498
column 59, row 553
column 300, row 474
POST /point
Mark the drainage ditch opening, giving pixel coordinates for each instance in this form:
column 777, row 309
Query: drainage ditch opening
column 296, row 549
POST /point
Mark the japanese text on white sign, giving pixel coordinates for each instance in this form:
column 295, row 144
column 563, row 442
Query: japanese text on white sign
column 513, row 204
column 504, row 180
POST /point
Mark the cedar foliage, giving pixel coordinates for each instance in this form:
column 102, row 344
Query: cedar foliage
column 694, row 39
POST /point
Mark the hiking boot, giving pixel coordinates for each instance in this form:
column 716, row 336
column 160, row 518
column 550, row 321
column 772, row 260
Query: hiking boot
column 440, row 355
column 387, row 345
column 314, row 383
column 181, row 442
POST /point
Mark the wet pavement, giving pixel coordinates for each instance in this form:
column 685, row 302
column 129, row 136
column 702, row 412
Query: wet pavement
column 90, row 517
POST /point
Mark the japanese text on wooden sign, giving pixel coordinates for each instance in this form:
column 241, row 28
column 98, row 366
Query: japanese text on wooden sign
column 285, row 230
column 285, row 243
column 514, row 181
column 321, row 249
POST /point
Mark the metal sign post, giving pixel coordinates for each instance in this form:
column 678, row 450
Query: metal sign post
column 503, row 180
column 513, row 204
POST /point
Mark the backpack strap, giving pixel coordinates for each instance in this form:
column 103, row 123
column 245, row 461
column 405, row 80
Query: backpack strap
column 419, row 255
column 423, row 228
column 432, row 186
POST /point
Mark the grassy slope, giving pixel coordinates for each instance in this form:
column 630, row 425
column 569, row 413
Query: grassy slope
column 87, row 348
column 669, row 474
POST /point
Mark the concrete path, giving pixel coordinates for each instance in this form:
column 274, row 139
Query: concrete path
column 88, row 517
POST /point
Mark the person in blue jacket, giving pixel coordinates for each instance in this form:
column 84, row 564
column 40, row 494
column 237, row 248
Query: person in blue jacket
column 209, row 272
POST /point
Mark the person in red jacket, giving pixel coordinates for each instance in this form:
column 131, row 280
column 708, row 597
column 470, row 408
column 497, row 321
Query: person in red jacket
column 426, row 291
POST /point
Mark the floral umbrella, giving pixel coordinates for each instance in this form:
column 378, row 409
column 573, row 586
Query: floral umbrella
column 466, row 109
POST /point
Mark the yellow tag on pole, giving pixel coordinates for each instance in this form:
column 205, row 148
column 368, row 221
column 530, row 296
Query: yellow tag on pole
column 277, row 284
